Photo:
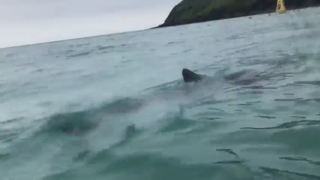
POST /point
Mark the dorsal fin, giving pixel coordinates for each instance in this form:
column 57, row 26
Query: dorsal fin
column 190, row 76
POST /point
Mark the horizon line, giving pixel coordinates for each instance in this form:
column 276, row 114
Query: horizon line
column 76, row 38
column 130, row 31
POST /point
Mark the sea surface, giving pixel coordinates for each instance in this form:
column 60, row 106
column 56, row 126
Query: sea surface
column 115, row 107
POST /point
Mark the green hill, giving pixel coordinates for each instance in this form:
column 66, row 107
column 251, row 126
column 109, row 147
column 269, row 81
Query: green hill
column 193, row 11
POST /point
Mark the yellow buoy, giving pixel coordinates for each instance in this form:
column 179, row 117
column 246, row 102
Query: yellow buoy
column 281, row 8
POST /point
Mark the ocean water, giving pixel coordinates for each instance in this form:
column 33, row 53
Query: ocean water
column 115, row 107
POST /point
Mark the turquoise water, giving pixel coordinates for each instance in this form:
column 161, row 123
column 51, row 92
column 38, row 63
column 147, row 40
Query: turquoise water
column 116, row 107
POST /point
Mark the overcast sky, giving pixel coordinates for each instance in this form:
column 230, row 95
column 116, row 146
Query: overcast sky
column 33, row 21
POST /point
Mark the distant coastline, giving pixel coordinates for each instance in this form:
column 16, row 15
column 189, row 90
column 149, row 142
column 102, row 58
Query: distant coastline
column 196, row 11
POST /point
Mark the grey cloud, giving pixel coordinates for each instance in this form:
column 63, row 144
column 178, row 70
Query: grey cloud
column 34, row 21
column 41, row 9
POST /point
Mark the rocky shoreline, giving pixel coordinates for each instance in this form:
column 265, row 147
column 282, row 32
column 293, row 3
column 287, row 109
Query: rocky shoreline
column 196, row 11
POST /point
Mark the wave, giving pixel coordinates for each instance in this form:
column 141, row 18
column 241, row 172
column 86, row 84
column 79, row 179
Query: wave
column 94, row 141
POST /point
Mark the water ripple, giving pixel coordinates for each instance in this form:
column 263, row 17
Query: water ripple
column 288, row 125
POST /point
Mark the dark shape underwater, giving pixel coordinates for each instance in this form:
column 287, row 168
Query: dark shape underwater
column 244, row 77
